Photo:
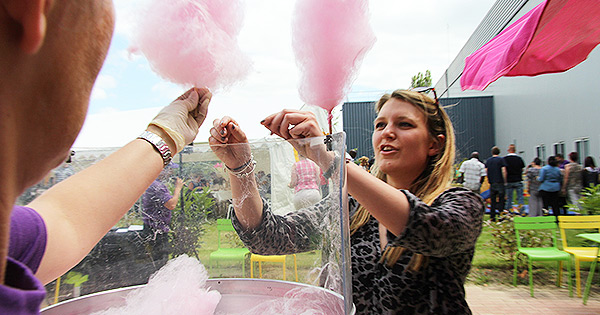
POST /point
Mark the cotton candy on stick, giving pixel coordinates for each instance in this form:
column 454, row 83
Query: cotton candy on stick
column 193, row 42
column 330, row 40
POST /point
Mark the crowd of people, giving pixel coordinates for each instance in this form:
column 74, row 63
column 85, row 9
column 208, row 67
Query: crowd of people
column 554, row 187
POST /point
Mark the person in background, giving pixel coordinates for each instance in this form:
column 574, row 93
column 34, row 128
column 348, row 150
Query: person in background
column 157, row 204
column 560, row 159
column 551, row 179
column 535, row 200
column 305, row 180
column 412, row 235
column 50, row 56
column 353, row 153
column 495, row 168
column 572, row 181
column 514, row 177
column 589, row 173
column 562, row 195
column 364, row 163
column 472, row 173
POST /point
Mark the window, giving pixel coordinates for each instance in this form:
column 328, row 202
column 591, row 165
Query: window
column 582, row 146
column 540, row 152
column 559, row 148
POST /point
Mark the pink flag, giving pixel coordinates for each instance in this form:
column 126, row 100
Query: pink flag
column 553, row 37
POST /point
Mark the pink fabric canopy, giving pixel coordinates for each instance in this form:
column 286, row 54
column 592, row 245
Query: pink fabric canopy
column 553, row 37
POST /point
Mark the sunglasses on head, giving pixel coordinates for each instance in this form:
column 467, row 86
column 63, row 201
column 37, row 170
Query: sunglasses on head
column 425, row 90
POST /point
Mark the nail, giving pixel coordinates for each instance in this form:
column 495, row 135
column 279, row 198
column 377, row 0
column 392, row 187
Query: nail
column 262, row 121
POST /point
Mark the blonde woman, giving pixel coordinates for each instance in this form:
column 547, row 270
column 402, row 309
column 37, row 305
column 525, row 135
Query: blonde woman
column 413, row 237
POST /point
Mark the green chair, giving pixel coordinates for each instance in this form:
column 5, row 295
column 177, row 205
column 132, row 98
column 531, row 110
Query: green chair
column 540, row 253
column 227, row 253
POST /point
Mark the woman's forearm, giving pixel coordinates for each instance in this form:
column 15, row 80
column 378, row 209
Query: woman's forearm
column 80, row 210
column 247, row 203
column 386, row 203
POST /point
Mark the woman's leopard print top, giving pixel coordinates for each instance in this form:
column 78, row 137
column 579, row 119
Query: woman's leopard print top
column 445, row 232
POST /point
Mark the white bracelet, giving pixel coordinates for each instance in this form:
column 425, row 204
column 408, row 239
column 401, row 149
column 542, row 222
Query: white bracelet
column 159, row 144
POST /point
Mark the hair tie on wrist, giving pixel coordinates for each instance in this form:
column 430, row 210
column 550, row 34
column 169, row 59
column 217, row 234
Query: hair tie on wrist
column 244, row 170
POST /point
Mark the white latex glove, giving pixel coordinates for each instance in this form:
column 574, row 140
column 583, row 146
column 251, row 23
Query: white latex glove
column 182, row 118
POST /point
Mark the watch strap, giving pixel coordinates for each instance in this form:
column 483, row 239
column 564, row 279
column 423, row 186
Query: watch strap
column 159, row 144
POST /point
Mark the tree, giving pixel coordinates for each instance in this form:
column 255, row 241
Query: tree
column 421, row 79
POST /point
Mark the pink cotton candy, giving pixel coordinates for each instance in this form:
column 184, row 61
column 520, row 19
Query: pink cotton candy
column 179, row 287
column 330, row 39
column 193, row 42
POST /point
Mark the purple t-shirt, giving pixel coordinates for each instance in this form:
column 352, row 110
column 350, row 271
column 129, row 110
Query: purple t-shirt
column 22, row 292
column 154, row 212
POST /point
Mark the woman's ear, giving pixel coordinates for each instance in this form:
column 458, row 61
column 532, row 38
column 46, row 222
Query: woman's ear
column 31, row 17
column 437, row 144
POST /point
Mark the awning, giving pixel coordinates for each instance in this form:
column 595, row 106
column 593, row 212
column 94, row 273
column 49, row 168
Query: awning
column 553, row 37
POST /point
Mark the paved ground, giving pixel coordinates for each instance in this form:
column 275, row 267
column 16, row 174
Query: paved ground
column 516, row 300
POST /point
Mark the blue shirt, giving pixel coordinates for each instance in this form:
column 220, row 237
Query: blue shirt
column 550, row 177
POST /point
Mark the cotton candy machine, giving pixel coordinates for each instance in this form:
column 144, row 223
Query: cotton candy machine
column 238, row 297
column 131, row 252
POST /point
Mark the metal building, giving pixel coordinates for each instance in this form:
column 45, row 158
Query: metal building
column 358, row 120
column 472, row 117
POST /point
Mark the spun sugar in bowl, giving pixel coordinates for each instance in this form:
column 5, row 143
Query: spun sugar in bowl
column 238, row 296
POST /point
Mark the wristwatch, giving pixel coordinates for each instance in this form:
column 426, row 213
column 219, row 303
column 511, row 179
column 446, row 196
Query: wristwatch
column 159, row 144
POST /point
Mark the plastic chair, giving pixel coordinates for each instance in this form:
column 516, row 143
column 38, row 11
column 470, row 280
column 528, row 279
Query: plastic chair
column 227, row 253
column 581, row 222
column 540, row 253
column 270, row 258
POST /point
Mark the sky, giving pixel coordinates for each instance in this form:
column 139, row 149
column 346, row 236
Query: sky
column 412, row 37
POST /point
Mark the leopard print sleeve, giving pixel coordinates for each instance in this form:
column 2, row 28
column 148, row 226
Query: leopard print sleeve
column 449, row 226
column 294, row 232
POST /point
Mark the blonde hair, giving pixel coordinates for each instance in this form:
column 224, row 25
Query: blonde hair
column 436, row 177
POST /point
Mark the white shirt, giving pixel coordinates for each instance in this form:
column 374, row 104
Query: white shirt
column 473, row 170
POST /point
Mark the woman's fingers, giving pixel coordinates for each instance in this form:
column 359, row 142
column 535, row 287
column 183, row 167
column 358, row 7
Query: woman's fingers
column 227, row 131
column 214, row 134
column 200, row 112
column 236, row 133
column 290, row 124
column 304, row 125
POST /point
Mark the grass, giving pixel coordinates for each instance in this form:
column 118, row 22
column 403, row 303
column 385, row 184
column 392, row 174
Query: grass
column 307, row 262
column 488, row 268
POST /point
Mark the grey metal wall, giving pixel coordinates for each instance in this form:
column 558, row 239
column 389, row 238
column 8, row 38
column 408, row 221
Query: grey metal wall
column 472, row 117
column 358, row 125
column 473, row 120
